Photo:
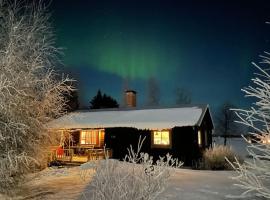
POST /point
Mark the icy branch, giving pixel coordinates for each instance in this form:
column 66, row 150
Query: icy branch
column 254, row 176
column 31, row 93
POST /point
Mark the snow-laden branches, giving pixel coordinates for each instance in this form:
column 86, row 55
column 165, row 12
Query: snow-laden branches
column 254, row 174
column 136, row 178
column 31, row 92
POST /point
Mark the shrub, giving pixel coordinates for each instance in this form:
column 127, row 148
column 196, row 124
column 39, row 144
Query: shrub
column 137, row 177
column 214, row 158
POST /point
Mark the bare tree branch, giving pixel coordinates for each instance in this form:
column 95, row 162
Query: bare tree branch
column 31, row 93
column 254, row 176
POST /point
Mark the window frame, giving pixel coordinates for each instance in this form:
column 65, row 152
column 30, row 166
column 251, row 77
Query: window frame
column 91, row 131
column 161, row 146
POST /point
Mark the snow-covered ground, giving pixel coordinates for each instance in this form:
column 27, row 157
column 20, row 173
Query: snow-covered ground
column 184, row 184
column 53, row 184
column 187, row 184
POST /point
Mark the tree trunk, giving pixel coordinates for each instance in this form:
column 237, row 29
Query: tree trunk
column 225, row 140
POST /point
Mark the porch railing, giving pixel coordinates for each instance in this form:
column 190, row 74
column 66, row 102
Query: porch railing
column 68, row 155
column 98, row 154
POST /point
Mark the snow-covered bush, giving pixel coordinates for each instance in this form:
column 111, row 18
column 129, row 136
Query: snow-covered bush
column 31, row 93
column 214, row 158
column 137, row 177
column 254, row 175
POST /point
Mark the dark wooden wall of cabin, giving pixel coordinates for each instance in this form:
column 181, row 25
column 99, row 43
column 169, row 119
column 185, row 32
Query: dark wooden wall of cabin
column 76, row 138
column 206, row 128
column 184, row 143
column 120, row 139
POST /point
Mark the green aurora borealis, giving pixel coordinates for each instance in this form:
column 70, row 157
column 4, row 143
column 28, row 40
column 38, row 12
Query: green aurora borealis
column 140, row 58
column 123, row 48
column 205, row 47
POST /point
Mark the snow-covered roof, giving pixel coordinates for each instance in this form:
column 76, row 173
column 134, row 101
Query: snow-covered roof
column 158, row 118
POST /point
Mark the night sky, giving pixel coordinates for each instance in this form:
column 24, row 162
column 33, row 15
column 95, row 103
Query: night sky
column 205, row 47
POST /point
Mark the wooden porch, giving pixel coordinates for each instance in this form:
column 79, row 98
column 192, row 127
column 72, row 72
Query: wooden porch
column 79, row 154
column 79, row 146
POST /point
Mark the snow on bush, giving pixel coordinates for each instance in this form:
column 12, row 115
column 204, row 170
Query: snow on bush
column 31, row 93
column 254, row 175
column 137, row 177
column 214, row 158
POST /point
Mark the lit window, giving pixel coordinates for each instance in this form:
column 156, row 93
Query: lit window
column 161, row 138
column 266, row 139
column 89, row 137
column 199, row 137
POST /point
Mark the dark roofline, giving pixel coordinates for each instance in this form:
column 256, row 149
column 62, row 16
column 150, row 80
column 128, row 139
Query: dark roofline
column 202, row 115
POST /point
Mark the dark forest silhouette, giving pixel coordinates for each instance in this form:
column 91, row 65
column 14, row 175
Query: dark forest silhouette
column 103, row 101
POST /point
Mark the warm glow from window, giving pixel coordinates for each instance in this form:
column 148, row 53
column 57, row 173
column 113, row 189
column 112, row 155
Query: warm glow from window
column 266, row 139
column 89, row 136
column 161, row 138
column 199, row 137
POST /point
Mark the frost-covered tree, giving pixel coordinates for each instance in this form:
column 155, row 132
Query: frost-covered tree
column 254, row 174
column 31, row 93
column 225, row 125
column 182, row 96
column 72, row 99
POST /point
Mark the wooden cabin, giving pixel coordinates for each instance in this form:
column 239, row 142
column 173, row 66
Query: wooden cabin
column 185, row 132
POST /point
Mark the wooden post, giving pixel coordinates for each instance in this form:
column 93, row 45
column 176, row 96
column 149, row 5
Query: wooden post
column 71, row 154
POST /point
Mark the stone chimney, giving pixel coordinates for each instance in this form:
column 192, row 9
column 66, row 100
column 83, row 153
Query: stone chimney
column 130, row 98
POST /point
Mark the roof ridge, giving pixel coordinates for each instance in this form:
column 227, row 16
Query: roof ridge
column 202, row 106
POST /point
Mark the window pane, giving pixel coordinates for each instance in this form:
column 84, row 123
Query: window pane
column 199, row 137
column 165, row 139
column 89, row 137
column 83, row 137
column 161, row 137
column 83, row 134
column 157, row 137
